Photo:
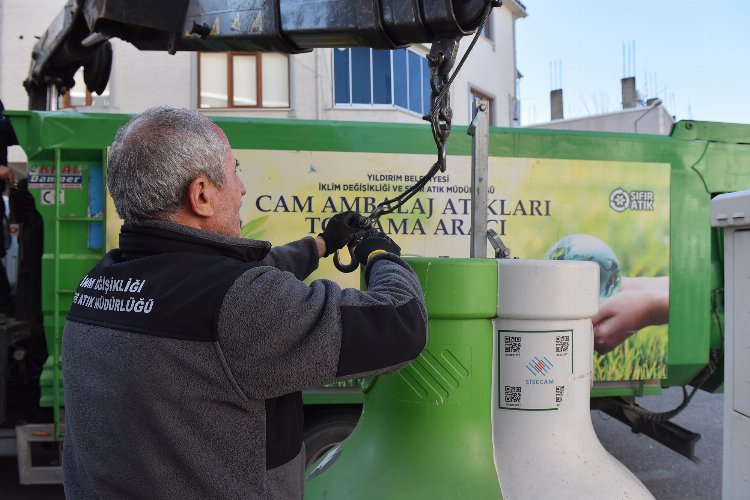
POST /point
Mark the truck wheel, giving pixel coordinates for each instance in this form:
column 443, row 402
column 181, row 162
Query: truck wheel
column 325, row 430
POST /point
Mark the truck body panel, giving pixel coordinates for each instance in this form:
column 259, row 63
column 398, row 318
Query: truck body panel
column 67, row 165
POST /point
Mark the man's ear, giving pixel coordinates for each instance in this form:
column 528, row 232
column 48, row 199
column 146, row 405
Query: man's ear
column 200, row 196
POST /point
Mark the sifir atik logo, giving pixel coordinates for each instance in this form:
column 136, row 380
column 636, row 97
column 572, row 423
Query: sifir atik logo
column 621, row 200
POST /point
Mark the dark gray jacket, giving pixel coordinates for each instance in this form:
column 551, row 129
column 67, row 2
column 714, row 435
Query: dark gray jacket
column 184, row 354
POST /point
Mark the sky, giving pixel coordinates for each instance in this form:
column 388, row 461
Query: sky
column 692, row 54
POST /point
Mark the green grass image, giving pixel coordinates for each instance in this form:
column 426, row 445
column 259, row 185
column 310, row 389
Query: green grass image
column 252, row 230
column 643, row 356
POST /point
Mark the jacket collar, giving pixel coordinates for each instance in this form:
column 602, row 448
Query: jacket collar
column 154, row 237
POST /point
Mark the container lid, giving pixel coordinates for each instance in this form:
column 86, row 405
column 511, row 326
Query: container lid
column 731, row 210
column 547, row 289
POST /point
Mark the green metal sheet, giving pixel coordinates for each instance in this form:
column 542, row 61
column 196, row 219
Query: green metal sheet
column 705, row 159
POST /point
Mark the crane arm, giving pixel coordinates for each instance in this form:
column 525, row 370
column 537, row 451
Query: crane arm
column 79, row 36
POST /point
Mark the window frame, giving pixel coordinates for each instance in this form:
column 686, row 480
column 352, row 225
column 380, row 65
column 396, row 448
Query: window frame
column 486, row 32
column 88, row 96
column 258, row 82
column 66, row 104
column 384, row 106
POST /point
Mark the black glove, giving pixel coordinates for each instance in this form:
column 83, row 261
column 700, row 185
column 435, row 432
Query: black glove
column 375, row 240
column 341, row 229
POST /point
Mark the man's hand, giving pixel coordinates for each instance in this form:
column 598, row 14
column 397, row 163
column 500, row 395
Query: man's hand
column 640, row 303
column 7, row 174
column 375, row 241
column 340, row 230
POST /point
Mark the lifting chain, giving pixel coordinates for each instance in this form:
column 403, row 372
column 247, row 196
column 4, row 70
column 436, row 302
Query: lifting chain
column 440, row 60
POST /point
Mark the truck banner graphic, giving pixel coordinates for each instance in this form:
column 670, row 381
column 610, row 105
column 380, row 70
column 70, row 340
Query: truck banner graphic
column 615, row 213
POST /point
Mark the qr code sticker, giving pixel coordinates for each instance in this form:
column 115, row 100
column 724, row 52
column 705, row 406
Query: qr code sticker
column 562, row 344
column 512, row 395
column 559, row 391
column 513, row 345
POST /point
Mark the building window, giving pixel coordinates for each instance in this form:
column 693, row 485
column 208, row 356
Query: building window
column 388, row 78
column 80, row 96
column 243, row 80
column 474, row 94
column 487, row 29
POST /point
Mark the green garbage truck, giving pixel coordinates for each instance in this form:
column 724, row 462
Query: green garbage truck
column 638, row 205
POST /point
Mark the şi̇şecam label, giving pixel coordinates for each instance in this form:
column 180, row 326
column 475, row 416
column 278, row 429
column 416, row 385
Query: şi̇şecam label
column 534, row 368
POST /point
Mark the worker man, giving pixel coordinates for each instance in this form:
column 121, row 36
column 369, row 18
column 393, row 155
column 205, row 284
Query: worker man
column 185, row 350
column 7, row 138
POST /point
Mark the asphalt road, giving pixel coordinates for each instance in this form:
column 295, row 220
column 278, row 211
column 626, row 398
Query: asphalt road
column 666, row 474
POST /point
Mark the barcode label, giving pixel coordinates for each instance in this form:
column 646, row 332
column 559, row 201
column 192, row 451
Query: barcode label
column 559, row 391
column 533, row 369
column 513, row 345
column 512, row 395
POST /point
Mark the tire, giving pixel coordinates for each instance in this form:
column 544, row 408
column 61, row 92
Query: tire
column 326, row 429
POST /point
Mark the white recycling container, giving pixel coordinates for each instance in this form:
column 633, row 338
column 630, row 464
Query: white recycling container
column 731, row 211
column 544, row 442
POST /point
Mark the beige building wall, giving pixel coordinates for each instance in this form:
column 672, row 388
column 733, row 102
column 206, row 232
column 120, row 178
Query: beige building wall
column 653, row 119
column 20, row 22
column 143, row 79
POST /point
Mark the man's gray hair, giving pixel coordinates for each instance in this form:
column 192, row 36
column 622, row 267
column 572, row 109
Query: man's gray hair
column 155, row 157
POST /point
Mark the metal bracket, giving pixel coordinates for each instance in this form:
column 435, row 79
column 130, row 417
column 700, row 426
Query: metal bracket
column 501, row 251
column 475, row 121
column 671, row 435
column 479, row 179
